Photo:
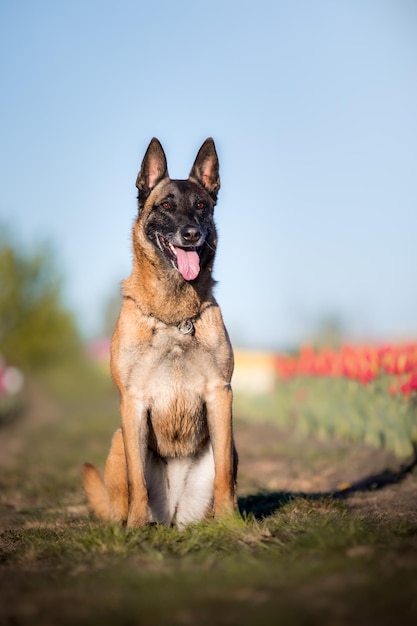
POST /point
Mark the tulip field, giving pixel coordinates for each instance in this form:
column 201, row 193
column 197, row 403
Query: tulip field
column 360, row 393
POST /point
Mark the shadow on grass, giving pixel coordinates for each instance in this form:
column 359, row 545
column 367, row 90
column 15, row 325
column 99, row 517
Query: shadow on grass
column 262, row 505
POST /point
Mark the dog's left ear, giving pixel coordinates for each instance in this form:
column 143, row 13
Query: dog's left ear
column 206, row 168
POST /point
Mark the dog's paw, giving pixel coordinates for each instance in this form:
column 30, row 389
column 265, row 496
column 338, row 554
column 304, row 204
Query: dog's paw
column 137, row 518
column 134, row 522
column 224, row 507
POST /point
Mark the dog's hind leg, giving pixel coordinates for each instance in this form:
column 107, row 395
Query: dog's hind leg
column 115, row 479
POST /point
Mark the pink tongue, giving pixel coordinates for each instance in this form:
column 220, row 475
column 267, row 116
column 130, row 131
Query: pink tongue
column 188, row 263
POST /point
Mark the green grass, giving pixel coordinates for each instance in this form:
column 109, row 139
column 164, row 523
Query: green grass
column 300, row 528
column 307, row 556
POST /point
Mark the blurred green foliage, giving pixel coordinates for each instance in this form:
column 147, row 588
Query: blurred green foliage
column 337, row 407
column 36, row 330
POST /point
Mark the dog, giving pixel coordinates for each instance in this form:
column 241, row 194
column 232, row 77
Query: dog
column 173, row 461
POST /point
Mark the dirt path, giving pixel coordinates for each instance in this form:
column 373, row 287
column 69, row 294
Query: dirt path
column 372, row 481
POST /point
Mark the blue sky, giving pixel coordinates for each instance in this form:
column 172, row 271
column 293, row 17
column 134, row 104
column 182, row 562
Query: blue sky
column 313, row 108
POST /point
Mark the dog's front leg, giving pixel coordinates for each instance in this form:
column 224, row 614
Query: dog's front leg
column 219, row 416
column 135, row 436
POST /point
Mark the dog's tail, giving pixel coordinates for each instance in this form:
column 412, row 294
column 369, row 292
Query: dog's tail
column 109, row 497
column 97, row 494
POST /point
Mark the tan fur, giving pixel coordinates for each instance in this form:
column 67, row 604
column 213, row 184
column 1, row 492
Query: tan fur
column 176, row 398
column 103, row 495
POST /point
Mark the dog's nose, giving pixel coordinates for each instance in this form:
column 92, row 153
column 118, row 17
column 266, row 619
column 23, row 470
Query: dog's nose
column 191, row 234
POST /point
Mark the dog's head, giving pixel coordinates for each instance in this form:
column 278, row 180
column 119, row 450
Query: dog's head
column 176, row 216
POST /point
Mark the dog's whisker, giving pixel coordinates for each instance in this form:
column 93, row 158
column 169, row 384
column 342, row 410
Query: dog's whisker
column 210, row 246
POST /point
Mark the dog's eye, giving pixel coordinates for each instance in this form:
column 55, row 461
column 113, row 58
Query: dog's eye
column 166, row 205
column 200, row 205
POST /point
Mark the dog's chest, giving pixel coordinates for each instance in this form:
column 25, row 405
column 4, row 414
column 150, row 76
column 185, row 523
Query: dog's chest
column 172, row 378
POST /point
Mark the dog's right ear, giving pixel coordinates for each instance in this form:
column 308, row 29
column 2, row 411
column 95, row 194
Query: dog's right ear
column 153, row 169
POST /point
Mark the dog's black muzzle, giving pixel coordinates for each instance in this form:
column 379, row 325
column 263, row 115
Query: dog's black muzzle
column 192, row 235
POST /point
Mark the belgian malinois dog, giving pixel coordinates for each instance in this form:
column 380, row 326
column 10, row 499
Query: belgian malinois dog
column 174, row 460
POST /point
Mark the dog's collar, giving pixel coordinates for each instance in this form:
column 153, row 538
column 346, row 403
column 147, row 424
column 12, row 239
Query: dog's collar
column 185, row 326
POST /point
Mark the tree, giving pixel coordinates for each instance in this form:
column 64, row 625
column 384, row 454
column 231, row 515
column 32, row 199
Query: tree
column 35, row 328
